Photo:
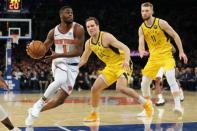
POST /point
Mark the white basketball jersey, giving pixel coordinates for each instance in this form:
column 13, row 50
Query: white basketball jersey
column 63, row 44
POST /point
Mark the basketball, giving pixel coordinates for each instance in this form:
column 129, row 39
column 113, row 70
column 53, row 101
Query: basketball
column 36, row 49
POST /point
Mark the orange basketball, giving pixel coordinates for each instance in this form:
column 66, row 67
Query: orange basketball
column 36, row 49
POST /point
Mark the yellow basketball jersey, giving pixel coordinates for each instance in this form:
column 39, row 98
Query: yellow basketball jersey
column 109, row 55
column 158, row 43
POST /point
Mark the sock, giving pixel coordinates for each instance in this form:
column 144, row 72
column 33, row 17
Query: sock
column 39, row 103
column 177, row 101
column 141, row 100
column 160, row 96
column 95, row 109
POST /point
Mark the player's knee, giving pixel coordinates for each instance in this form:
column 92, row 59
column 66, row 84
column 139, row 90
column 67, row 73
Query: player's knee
column 170, row 76
column 145, row 82
column 120, row 89
column 95, row 89
column 173, row 85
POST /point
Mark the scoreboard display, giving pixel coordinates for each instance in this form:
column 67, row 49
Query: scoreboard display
column 14, row 5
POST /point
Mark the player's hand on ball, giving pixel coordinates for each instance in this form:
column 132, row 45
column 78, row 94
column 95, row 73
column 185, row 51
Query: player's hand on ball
column 52, row 56
column 36, row 49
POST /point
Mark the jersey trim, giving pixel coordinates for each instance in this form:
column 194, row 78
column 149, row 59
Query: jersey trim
column 151, row 25
column 97, row 39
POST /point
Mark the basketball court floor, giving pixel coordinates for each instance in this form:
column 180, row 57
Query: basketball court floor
column 117, row 113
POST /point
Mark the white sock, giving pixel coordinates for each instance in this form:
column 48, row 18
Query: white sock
column 95, row 109
column 177, row 101
column 160, row 96
column 141, row 100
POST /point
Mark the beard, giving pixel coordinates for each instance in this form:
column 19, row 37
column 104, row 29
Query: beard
column 68, row 21
column 147, row 18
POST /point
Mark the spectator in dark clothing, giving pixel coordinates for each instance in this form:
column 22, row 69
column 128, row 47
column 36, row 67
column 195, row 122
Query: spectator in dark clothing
column 87, row 80
column 80, row 83
column 190, row 79
column 43, row 82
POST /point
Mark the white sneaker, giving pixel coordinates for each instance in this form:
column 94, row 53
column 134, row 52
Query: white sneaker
column 160, row 102
column 29, row 129
column 16, row 129
column 142, row 114
column 178, row 111
column 37, row 108
column 30, row 118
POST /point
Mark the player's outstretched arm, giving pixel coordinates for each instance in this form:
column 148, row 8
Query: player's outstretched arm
column 141, row 46
column 86, row 54
column 168, row 29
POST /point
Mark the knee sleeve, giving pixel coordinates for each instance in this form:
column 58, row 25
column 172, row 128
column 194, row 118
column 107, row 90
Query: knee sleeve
column 3, row 113
column 170, row 76
column 145, row 86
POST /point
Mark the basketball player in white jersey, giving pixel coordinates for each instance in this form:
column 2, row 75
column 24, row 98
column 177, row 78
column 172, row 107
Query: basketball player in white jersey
column 3, row 114
column 68, row 38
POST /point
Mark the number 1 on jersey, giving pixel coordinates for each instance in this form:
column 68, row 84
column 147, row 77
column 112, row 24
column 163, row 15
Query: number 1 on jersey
column 65, row 47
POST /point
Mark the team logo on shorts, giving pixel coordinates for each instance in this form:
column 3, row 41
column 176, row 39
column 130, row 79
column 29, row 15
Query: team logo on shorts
column 155, row 27
column 69, row 33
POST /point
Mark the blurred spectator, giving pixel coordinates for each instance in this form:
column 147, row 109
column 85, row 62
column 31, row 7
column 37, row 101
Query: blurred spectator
column 93, row 76
column 87, row 80
column 43, row 82
column 80, row 82
column 34, row 80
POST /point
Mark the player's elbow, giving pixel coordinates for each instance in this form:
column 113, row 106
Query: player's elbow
column 175, row 36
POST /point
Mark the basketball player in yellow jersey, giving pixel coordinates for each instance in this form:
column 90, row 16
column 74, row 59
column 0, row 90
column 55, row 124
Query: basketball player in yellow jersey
column 152, row 31
column 118, row 68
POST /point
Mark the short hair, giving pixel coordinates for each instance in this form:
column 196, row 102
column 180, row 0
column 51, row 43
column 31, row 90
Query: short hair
column 92, row 18
column 147, row 4
column 63, row 8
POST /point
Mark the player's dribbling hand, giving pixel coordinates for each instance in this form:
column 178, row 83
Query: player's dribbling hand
column 27, row 48
column 126, row 65
column 183, row 57
column 52, row 56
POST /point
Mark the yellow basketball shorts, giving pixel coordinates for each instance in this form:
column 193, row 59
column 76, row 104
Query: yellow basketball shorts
column 111, row 73
column 152, row 67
